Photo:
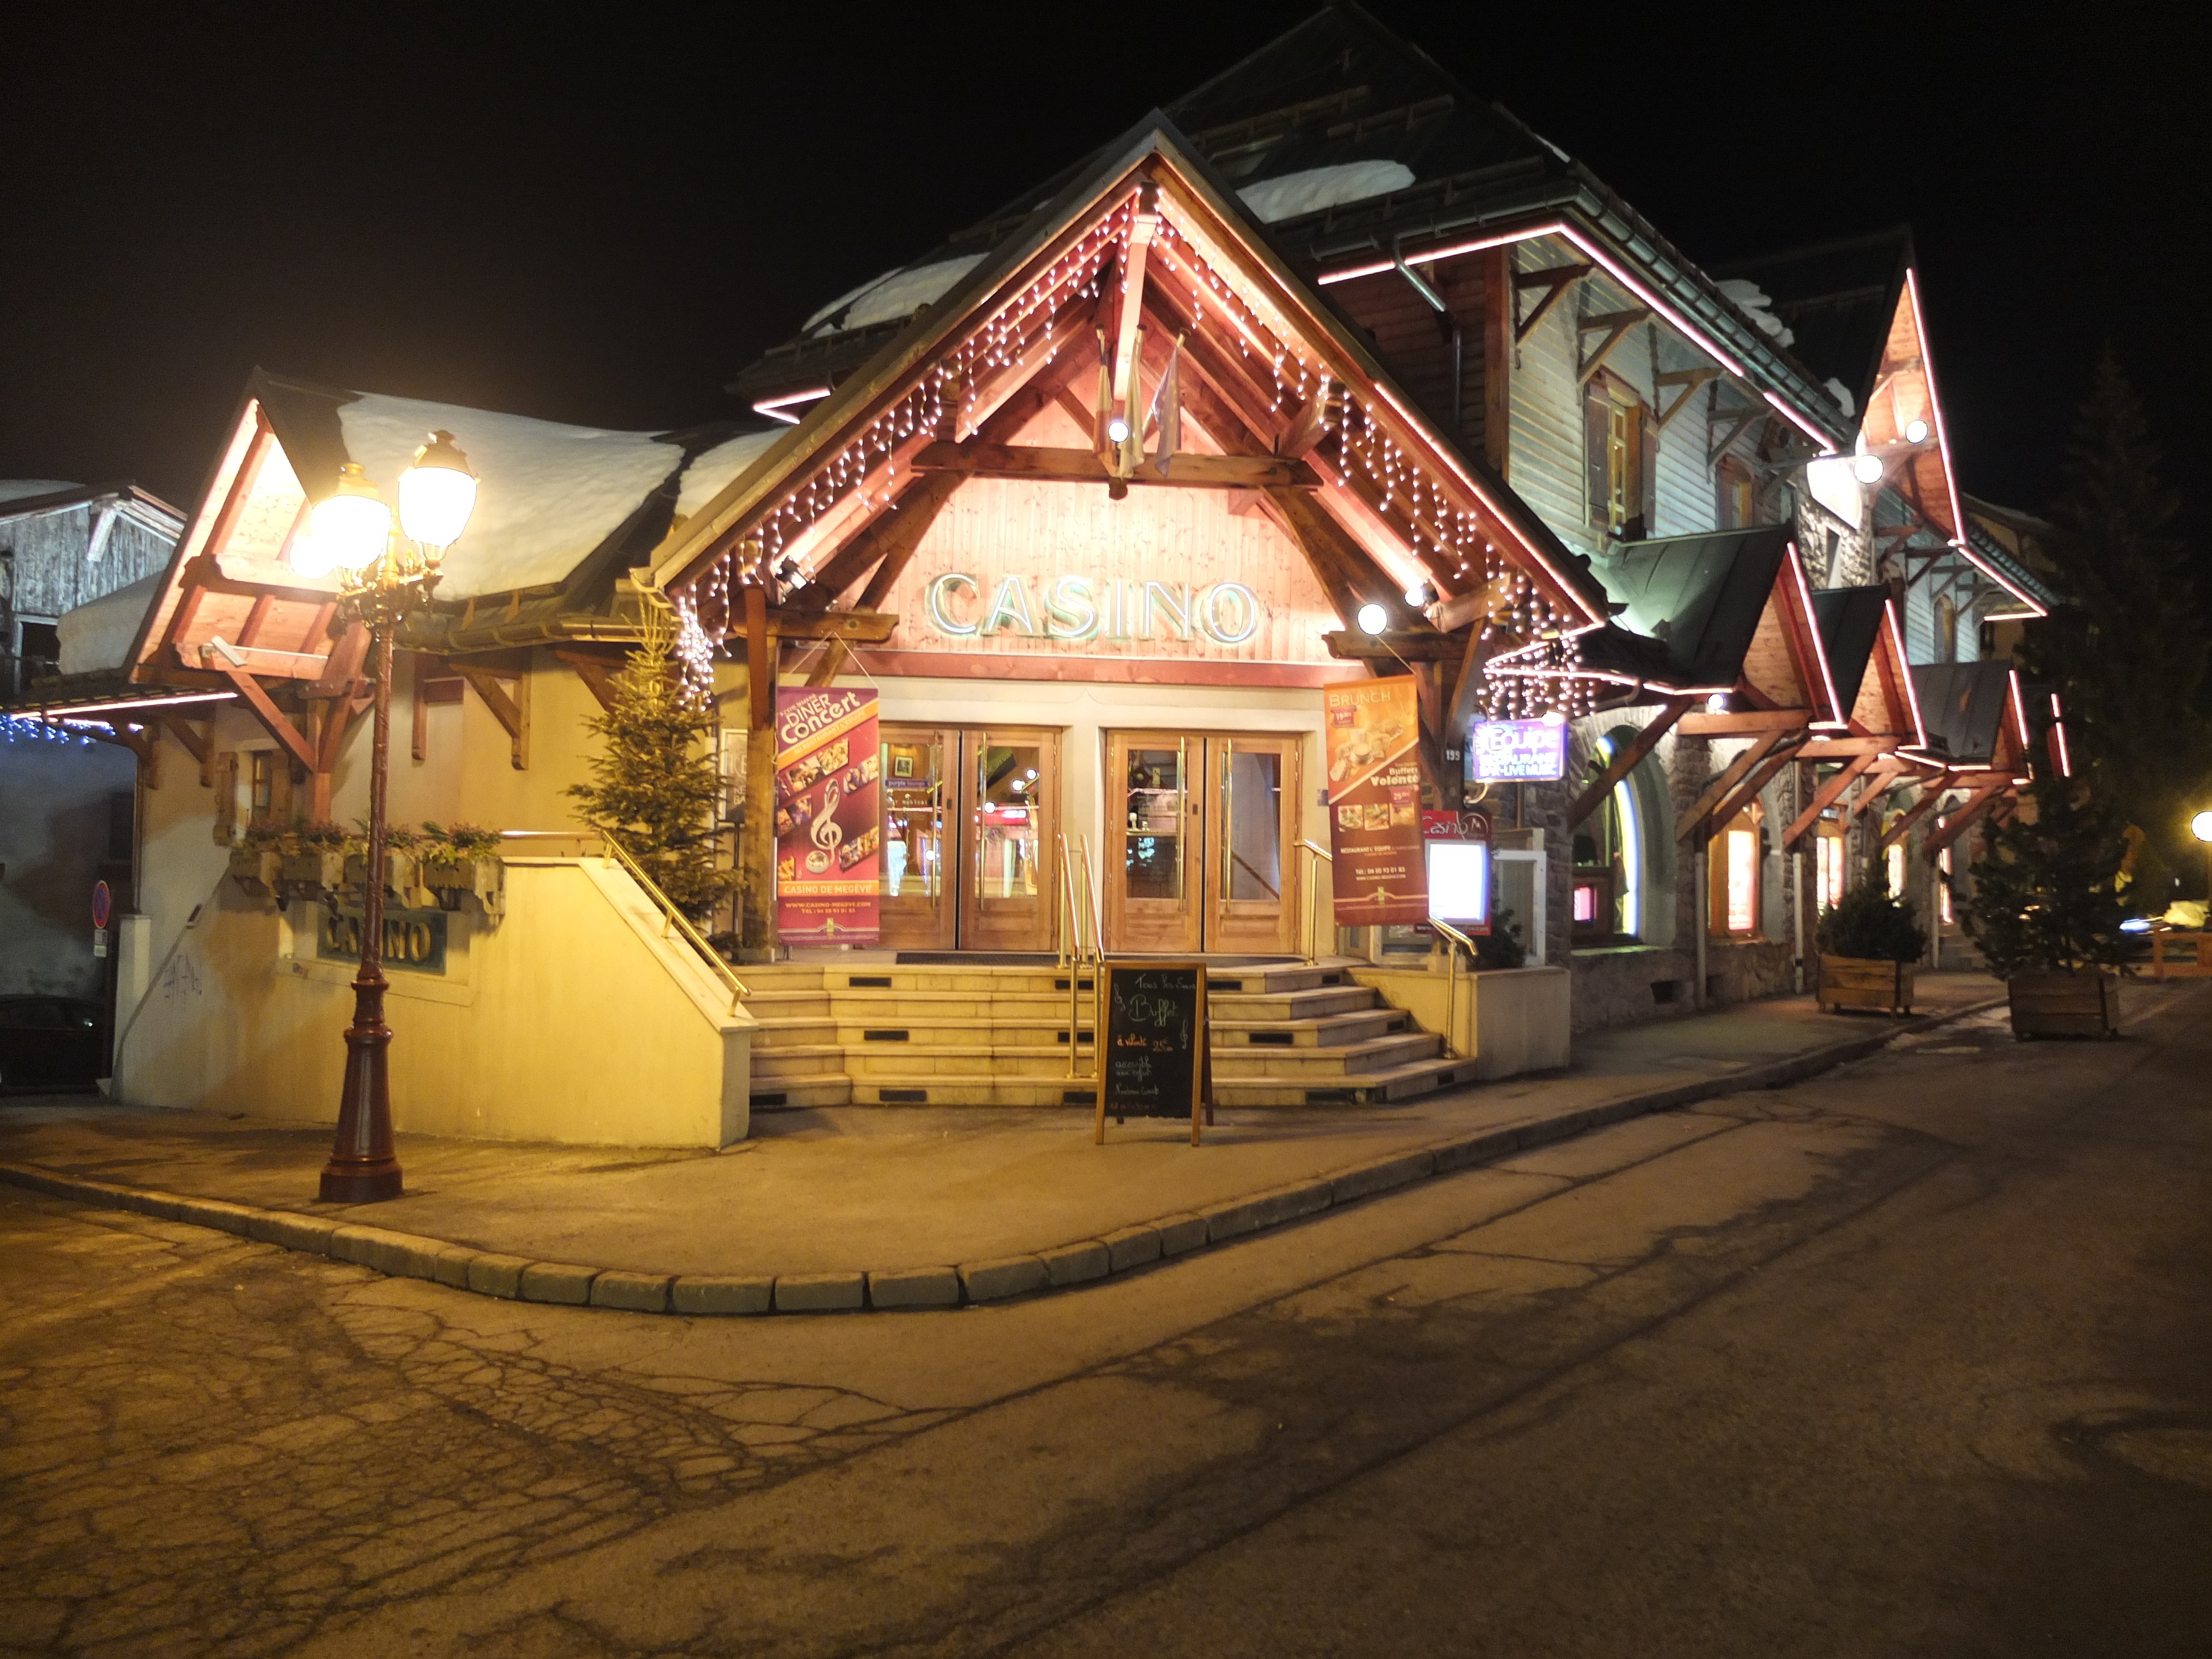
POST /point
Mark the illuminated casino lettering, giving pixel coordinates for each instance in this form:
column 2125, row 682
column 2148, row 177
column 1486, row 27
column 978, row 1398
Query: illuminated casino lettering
column 1076, row 608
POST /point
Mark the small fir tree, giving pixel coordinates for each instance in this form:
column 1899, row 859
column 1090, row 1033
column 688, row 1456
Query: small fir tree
column 655, row 786
column 1869, row 924
column 2046, row 886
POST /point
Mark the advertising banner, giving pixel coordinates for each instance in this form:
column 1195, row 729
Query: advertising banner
column 1371, row 732
column 828, row 817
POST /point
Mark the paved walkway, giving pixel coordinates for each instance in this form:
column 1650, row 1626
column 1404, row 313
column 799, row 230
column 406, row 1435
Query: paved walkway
column 892, row 1207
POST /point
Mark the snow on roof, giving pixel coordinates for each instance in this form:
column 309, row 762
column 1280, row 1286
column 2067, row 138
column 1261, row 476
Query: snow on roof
column 98, row 633
column 711, row 470
column 548, row 494
column 893, row 295
column 1752, row 299
column 1296, row 193
column 18, row 490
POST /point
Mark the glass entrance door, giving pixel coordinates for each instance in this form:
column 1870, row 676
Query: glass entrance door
column 1200, row 837
column 921, row 827
column 1009, row 825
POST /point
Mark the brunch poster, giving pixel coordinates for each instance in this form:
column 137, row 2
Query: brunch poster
column 828, row 817
column 1371, row 733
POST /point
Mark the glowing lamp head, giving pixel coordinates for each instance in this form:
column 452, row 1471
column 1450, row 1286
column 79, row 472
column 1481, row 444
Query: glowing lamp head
column 437, row 493
column 1867, row 469
column 1717, row 703
column 1117, row 430
column 1555, row 717
column 1418, row 595
column 1373, row 619
column 2201, row 826
column 351, row 526
column 1916, row 432
column 310, row 558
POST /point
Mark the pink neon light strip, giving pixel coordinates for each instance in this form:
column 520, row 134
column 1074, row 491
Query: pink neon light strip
column 1819, row 647
column 776, row 407
column 71, row 712
column 2019, row 705
column 1943, row 450
column 1905, row 670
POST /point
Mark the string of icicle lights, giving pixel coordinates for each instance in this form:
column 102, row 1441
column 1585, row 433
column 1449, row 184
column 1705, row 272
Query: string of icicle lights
column 27, row 728
column 1537, row 680
column 1357, row 451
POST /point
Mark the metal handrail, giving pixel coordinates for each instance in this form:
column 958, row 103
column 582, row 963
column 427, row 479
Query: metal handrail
column 1313, row 896
column 1451, row 1006
column 682, row 922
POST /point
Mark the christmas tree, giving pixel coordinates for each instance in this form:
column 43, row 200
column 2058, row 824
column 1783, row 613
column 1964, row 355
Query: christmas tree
column 655, row 786
column 2045, row 885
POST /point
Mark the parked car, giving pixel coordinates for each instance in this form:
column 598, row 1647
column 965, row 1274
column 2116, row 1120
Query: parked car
column 50, row 1043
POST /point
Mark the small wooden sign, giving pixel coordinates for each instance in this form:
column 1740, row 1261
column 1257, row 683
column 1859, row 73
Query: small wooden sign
column 1153, row 1059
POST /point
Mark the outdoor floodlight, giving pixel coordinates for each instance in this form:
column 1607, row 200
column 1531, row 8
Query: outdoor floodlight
column 1373, row 619
column 2201, row 826
column 1867, row 469
column 1117, row 430
column 1916, row 432
column 1418, row 595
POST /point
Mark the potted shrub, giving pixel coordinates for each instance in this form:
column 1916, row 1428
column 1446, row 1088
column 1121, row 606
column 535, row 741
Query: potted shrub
column 314, row 861
column 2046, row 912
column 461, row 858
column 1868, row 943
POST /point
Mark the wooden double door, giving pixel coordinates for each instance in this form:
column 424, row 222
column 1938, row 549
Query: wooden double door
column 1201, row 839
column 971, row 828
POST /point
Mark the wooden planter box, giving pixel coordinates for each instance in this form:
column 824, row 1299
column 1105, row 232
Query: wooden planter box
column 257, row 872
column 1886, row 987
column 2053, row 1002
column 485, row 878
column 400, row 878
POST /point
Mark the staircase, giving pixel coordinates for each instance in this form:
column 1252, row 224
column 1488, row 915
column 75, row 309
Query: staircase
column 884, row 1034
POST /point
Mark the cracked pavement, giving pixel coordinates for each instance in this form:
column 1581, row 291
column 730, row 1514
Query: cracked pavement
column 1912, row 1357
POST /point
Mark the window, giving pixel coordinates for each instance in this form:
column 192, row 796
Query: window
column 1828, row 867
column 261, row 786
column 1621, row 453
column 1739, row 496
column 1732, row 878
column 1894, row 869
column 1947, row 628
column 1943, row 889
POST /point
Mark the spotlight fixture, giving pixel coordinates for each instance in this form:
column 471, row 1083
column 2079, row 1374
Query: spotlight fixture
column 1916, row 432
column 1373, row 619
column 1117, row 430
column 1867, row 469
column 1419, row 595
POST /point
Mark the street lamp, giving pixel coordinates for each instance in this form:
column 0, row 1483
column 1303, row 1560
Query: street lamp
column 383, row 579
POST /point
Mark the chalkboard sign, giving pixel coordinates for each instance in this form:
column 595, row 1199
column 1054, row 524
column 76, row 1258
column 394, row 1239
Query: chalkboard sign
column 1154, row 1062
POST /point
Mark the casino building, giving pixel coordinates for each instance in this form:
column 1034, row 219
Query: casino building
column 1069, row 546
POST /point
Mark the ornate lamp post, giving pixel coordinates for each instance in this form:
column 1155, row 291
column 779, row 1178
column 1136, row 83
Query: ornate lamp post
column 384, row 578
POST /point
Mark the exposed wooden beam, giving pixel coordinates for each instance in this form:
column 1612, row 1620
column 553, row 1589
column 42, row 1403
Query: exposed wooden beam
column 1880, row 778
column 1142, row 224
column 271, row 717
column 1823, row 799
column 1690, row 379
column 760, row 666
column 1955, row 824
column 510, row 709
column 1930, row 794
column 597, row 672
column 982, row 460
column 1394, row 644
column 1742, row 723
column 1747, row 791
column 1624, row 762
column 1308, row 426
column 1819, row 749
column 1616, row 325
column 198, row 740
column 1717, row 789
column 1556, row 281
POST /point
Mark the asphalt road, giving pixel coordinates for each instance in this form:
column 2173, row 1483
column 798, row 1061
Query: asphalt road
column 1915, row 1358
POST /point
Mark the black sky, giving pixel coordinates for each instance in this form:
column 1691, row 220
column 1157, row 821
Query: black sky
column 597, row 214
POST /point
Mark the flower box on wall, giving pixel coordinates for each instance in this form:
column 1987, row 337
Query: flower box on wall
column 451, row 880
column 2058, row 1002
column 1868, row 982
column 256, row 870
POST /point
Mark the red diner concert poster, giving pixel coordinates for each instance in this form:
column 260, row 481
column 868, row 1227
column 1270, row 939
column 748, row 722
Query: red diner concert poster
column 1371, row 735
column 829, row 817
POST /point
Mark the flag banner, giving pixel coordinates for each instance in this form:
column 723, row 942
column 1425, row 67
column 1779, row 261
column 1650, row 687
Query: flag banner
column 829, row 817
column 1371, row 735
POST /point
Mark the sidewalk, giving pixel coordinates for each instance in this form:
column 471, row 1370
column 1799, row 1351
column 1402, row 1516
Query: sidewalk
column 879, row 1206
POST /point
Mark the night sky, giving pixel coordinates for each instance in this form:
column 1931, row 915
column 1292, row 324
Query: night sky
column 597, row 216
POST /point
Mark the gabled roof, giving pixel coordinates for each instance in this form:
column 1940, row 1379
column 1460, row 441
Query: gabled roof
column 24, row 498
column 1036, row 296
column 1864, row 642
column 1352, row 142
column 1974, row 712
column 560, row 509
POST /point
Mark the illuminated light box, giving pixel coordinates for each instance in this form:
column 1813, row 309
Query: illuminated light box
column 1459, row 884
column 1515, row 751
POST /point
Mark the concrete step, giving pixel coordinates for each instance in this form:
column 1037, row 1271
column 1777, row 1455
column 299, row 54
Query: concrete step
column 1273, row 981
column 896, row 1007
column 772, row 1034
column 1329, row 1030
column 1354, row 1062
column 1379, row 1088
column 786, row 1004
column 933, row 1089
column 983, row 1032
column 949, row 1062
column 807, row 1060
column 833, row 1089
column 1241, row 1009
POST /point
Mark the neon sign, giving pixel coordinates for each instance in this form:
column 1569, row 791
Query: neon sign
column 1073, row 608
column 1509, row 752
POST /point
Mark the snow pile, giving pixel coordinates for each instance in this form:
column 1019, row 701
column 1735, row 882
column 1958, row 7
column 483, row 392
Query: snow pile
column 712, row 471
column 21, row 490
column 97, row 634
column 890, row 297
column 548, row 494
column 1274, row 199
column 1751, row 300
column 1842, row 394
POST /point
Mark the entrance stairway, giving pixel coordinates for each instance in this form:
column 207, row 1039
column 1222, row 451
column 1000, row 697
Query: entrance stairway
column 867, row 1034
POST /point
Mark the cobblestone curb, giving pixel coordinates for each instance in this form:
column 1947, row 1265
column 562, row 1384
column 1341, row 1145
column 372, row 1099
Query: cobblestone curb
column 408, row 1256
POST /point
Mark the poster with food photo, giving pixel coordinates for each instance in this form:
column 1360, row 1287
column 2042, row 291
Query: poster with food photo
column 1371, row 735
column 828, row 817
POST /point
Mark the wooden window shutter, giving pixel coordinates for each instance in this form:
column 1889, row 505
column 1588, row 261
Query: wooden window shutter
column 225, row 798
column 1647, row 470
column 280, row 788
column 1597, row 425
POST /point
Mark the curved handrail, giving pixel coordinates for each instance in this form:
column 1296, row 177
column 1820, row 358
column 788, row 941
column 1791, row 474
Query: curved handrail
column 682, row 923
column 1313, row 896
